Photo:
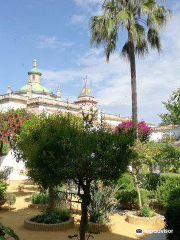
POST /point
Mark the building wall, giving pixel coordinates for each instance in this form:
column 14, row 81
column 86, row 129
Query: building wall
column 18, row 167
column 158, row 134
column 5, row 106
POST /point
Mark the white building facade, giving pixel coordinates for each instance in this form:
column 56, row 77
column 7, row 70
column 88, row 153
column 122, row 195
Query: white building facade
column 36, row 98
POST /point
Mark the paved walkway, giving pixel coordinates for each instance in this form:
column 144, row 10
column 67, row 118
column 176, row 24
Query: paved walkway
column 156, row 236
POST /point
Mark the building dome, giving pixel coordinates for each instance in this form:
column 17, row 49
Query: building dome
column 36, row 87
column 34, row 83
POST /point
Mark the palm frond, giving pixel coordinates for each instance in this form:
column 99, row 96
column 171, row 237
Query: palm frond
column 153, row 38
column 142, row 49
column 137, row 33
column 125, row 52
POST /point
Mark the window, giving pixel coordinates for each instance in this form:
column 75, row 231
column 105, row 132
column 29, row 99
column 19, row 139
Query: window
column 33, row 77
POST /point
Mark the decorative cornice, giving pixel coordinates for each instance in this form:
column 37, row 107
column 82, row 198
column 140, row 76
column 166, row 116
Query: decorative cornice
column 163, row 128
column 115, row 118
column 13, row 97
column 54, row 103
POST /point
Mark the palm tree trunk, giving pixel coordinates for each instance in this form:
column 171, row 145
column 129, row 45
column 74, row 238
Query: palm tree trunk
column 133, row 84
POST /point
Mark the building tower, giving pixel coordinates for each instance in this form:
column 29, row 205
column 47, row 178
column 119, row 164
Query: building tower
column 59, row 93
column 85, row 99
column 34, row 74
column 34, row 82
column 9, row 89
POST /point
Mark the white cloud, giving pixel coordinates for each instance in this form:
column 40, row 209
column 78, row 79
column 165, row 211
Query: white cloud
column 89, row 8
column 52, row 42
column 157, row 77
column 76, row 19
column 89, row 5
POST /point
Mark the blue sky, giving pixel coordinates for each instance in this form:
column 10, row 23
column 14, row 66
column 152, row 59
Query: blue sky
column 56, row 33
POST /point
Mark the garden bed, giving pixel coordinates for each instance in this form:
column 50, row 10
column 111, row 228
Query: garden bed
column 28, row 224
column 97, row 227
column 132, row 218
column 2, row 202
column 38, row 206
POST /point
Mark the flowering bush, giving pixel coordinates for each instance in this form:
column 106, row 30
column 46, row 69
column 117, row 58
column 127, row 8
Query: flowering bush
column 143, row 130
column 10, row 123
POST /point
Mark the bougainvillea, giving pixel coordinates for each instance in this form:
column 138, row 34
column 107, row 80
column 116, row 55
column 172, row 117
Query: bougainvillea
column 143, row 130
column 10, row 123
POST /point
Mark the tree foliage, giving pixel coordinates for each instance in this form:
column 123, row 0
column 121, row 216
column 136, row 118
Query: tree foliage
column 57, row 148
column 142, row 21
column 172, row 117
column 141, row 18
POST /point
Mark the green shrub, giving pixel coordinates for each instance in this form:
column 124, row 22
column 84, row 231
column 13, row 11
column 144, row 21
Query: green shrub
column 40, row 198
column 171, row 176
column 172, row 218
column 146, row 211
column 3, row 187
column 103, row 203
column 129, row 198
column 148, row 181
column 60, row 214
column 126, row 181
column 168, row 182
column 11, row 199
column 174, row 195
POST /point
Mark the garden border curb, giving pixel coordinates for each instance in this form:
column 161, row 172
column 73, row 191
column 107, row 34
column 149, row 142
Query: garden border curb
column 97, row 227
column 131, row 218
column 48, row 227
column 38, row 206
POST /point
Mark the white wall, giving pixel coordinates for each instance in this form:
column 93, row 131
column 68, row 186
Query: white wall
column 10, row 161
column 158, row 134
column 5, row 106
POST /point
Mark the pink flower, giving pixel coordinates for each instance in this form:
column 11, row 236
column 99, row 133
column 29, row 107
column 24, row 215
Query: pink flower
column 143, row 130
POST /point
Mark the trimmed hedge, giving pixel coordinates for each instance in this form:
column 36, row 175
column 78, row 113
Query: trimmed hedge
column 129, row 197
column 167, row 183
column 148, row 181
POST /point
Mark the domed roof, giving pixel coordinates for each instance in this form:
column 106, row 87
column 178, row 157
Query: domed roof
column 36, row 87
column 35, row 70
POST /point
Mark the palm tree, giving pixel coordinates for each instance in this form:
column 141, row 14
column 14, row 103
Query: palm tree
column 142, row 20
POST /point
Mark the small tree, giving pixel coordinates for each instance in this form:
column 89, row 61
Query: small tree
column 172, row 117
column 58, row 148
column 95, row 154
column 141, row 148
column 143, row 156
column 10, row 123
column 41, row 145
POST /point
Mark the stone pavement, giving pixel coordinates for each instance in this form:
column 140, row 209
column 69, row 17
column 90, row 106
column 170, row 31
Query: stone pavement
column 156, row 236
